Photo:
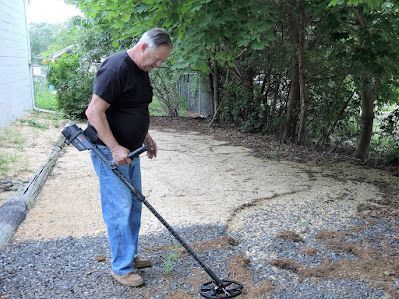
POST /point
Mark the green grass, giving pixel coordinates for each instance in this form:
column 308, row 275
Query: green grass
column 56, row 119
column 33, row 123
column 155, row 108
column 44, row 98
column 169, row 262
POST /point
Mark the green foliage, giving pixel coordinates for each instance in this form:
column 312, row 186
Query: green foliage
column 155, row 108
column 239, row 108
column 254, row 45
column 169, row 262
column 386, row 147
column 165, row 84
column 73, row 84
column 203, row 30
column 370, row 3
column 64, row 35
column 44, row 97
column 41, row 36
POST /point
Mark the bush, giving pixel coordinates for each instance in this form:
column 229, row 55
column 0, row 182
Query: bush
column 166, row 93
column 73, row 84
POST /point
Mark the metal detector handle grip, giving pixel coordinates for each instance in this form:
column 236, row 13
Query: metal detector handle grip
column 137, row 152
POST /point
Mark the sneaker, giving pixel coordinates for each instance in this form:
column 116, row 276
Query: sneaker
column 142, row 262
column 130, row 279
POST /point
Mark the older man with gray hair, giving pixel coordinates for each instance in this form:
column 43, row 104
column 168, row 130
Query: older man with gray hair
column 118, row 110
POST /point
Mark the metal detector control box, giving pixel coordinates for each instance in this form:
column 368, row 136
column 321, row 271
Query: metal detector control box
column 216, row 288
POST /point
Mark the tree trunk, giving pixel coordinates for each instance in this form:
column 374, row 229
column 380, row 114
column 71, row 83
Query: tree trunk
column 215, row 87
column 366, row 118
column 367, row 93
column 301, row 76
column 294, row 90
column 272, row 109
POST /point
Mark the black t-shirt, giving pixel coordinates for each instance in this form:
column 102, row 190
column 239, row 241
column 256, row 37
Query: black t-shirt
column 122, row 84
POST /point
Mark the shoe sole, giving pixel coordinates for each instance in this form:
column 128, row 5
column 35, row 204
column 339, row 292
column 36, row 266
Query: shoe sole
column 136, row 285
column 143, row 265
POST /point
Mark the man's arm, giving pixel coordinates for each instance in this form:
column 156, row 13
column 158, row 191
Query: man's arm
column 95, row 113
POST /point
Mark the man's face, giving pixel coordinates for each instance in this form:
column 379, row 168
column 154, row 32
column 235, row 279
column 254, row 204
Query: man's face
column 152, row 58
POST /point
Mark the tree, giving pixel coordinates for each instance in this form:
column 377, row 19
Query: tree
column 301, row 69
column 42, row 35
column 372, row 44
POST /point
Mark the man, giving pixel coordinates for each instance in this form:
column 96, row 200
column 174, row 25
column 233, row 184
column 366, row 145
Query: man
column 118, row 111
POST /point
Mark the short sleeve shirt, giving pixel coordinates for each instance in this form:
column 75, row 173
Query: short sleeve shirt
column 123, row 85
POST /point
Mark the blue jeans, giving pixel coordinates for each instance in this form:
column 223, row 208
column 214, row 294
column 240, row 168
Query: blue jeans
column 121, row 210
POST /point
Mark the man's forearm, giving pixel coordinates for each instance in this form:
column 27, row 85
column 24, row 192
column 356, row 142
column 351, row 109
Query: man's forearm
column 100, row 123
column 96, row 116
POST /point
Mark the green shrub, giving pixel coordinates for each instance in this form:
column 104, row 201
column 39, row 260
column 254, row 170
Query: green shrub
column 73, row 84
column 167, row 98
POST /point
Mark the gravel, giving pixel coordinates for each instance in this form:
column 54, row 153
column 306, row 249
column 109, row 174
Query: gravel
column 262, row 245
column 69, row 267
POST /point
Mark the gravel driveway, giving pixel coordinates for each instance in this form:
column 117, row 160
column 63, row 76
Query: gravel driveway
column 268, row 224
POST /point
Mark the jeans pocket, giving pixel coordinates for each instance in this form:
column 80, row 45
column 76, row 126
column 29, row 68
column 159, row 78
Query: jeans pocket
column 99, row 165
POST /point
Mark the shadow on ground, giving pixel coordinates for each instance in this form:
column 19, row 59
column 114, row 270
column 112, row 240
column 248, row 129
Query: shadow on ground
column 79, row 267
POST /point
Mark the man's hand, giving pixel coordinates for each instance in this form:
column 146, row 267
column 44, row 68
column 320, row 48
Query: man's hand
column 119, row 155
column 152, row 146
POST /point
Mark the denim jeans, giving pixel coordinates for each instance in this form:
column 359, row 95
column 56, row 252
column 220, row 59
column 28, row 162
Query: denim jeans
column 121, row 210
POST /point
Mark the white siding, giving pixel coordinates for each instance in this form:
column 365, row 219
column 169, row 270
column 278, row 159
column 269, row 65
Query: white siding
column 15, row 74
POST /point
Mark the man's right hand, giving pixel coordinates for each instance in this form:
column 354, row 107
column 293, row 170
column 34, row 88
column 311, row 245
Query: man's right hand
column 119, row 155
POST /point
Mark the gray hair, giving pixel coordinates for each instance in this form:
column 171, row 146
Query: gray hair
column 156, row 37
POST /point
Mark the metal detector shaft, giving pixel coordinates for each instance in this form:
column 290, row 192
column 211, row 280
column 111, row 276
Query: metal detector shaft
column 215, row 289
column 153, row 211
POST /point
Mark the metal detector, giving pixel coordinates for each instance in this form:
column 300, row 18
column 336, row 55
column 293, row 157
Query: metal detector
column 83, row 140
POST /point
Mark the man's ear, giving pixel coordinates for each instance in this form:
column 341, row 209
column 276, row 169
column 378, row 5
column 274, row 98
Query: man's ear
column 144, row 46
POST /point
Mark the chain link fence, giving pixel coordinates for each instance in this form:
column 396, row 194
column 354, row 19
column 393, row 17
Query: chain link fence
column 195, row 88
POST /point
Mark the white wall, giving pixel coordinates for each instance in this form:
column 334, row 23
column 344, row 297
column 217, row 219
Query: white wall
column 15, row 74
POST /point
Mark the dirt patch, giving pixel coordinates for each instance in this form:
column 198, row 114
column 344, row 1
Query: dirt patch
column 269, row 147
column 25, row 146
column 239, row 272
column 290, row 235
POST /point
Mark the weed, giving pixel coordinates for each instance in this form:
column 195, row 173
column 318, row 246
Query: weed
column 10, row 135
column 171, row 258
column 169, row 262
column 5, row 161
column 34, row 123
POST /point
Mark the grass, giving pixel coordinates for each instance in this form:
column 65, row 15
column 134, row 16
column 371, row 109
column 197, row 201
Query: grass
column 44, row 98
column 34, row 123
column 11, row 135
column 156, row 108
column 171, row 258
column 169, row 262
column 5, row 160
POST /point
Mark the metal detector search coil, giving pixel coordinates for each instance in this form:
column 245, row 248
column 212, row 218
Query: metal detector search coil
column 216, row 288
